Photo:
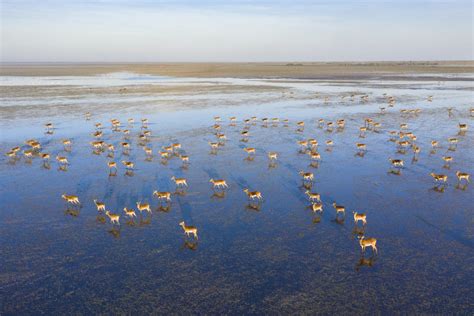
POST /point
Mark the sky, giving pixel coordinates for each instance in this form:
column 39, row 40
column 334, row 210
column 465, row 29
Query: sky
column 235, row 31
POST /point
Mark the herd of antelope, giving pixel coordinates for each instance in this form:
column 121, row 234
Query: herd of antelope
column 403, row 139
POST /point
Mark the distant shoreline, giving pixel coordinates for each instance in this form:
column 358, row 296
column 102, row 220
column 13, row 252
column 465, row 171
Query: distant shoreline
column 302, row 70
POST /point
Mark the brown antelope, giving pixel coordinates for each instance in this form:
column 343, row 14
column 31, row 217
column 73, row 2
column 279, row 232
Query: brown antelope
column 398, row 163
column 62, row 160
column 313, row 196
column 98, row 125
column 97, row 134
column 249, row 150
column 361, row 146
column 462, row 127
column 130, row 212
column 148, row 151
column 252, row 195
column 300, row 124
column 189, row 230
column 360, row 217
column 100, row 205
column 143, row 207
column 125, row 145
column 339, row 209
column 72, row 199
column 315, row 156
column 11, row 154
column 128, row 164
column 180, row 181
column 114, row 218
column 97, row 144
column 164, row 154
column 403, row 126
column 447, row 159
column 317, row 207
column 176, row 146
column 45, row 157
column 112, row 165
column 329, row 143
column 131, row 121
column 214, row 145
column 368, row 242
column 434, row 144
column 28, row 153
column 453, row 140
column 162, row 195
column 313, row 142
column 303, row 144
column 184, row 159
column 219, row 183
column 15, row 149
column 462, row 176
column 272, row 156
column 439, row 177
column 307, row 176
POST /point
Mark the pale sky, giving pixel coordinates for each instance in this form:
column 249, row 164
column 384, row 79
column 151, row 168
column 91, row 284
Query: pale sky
column 211, row 30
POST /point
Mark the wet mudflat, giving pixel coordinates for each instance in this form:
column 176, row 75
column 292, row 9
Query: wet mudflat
column 273, row 257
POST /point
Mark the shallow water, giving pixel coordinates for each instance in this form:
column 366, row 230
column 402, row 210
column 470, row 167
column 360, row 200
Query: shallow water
column 277, row 258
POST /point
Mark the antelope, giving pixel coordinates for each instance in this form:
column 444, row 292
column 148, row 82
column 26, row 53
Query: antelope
column 148, row 151
column 313, row 142
column 439, row 177
column 130, row 212
column 98, row 125
column 453, row 140
column 360, row 217
column 249, row 150
column 125, row 145
column 252, row 195
column 219, row 183
column 11, row 154
column 180, row 181
column 313, row 196
column 184, row 158
column 315, row 156
column 97, row 144
column 368, row 242
column 329, row 143
column 462, row 175
column 361, row 146
column 131, row 121
column 403, row 126
column 307, row 176
column 272, row 155
column 162, row 195
column 217, row 118
column 339, row 208
column 447, row 159
column 15, row 149
column 317, row 207
column 189, row 230
column 300, row 124
column 143, row 207
column 434, row 144
column 45, row 156
column 214, row 145
column 114, row 218
column 128, row 164
column 430, row 98
column 49, row 126
column 303, row 144
column 164, row 154
column 396, row 162
column 62, row 160
column 112, row 165
column 28, row 153
column 232, row 119
column 320, row 123
column 341, row 123
column 67, row 143
column 462, row 127
column 100, row 205
column 72, row 199
column 176, row 146
column 97, row 134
